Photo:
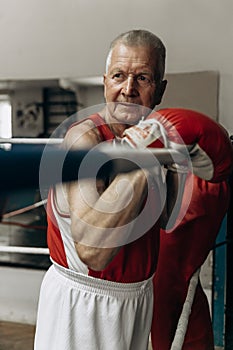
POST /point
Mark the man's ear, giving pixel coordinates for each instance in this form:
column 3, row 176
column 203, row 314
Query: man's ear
column 104, row 80
column 160, row 91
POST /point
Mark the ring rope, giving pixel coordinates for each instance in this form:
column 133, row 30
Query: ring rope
column 165, row 153
column 24, row 210
column 28, row 140
column 24, row 250
column 28, row 226
column 181, row 330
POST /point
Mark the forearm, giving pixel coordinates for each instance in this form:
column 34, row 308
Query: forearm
column 98, row 230
column 120, row 202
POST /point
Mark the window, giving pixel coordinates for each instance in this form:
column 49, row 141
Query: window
column 5, row 119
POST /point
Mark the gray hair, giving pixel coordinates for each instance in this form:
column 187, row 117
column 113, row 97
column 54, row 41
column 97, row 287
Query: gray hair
column 142, row 38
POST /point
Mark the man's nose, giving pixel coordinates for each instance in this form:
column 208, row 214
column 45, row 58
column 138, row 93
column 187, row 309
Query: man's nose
column 130, row 88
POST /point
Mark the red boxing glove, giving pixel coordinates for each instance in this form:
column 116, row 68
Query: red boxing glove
column 207, row 141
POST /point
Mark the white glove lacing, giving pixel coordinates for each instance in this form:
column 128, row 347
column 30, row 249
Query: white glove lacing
column 144, row 133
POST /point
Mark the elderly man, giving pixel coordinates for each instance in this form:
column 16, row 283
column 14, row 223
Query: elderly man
column 103, row 233
column 99, row 294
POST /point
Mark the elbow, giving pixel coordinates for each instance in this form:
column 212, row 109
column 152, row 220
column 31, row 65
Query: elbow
column 96, row 259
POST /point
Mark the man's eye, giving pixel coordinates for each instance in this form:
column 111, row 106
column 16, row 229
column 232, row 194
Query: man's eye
column 143, row 78
column 118, row 76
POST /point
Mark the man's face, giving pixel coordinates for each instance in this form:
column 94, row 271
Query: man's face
column 130, row 81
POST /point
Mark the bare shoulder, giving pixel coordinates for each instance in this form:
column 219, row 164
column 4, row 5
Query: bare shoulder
column 82, row 135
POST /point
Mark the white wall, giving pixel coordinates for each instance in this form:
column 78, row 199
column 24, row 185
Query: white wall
column 66, row 38
column 19, row 294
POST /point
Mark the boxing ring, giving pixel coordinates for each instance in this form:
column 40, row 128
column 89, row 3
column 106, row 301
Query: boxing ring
column 27, row 154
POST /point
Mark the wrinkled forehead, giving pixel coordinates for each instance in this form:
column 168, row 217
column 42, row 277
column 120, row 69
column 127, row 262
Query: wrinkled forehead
column 135, row 56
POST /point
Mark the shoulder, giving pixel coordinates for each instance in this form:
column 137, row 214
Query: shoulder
column 82, row 135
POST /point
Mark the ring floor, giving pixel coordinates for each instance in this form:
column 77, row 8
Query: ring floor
column 16, row 336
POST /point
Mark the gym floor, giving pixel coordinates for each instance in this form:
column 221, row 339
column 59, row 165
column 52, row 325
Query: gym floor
column 16, row 336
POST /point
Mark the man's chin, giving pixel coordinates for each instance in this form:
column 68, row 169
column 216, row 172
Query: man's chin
column 130, row 114
column 127, row 118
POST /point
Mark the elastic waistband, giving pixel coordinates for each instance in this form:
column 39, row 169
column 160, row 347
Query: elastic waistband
column 96, row 285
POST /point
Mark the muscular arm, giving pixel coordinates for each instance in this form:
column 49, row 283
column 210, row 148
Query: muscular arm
column 99, row 211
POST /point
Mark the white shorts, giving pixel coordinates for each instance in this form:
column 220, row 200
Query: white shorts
column 79, row 312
